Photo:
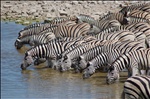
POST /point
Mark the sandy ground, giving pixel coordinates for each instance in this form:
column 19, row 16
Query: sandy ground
column 41, row 10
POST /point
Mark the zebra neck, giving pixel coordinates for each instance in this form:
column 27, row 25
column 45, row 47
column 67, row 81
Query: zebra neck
column 100, row 60
column 122, row 62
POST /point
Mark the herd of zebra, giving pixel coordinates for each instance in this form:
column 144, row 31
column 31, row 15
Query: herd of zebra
column 114, row 42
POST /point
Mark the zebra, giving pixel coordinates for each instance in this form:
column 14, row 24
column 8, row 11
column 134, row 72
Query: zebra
column 134, row 61
column 70, row 44
column 139, row 14
column 85, row 18
column 108, row 57
column 95, row 25
column 115, row 16
column 137, row 87
column 101, row 60
column 47, row 27
column 145, row 28
column 36, row 30
column 47, row 50
column 74, row 54
column 76, row 30
column 83, row 58
column 119, row 35
column 126, row 9
column 86, row 39
column 145, row 8
column 103, row 24
column 34, row 40
column 68, row 58
column 132, row 19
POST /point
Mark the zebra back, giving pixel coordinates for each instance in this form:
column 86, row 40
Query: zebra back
column 119, row 35
column 139, row 14
column 35, row 30
column 33, row 25
column 73, row 30
column 132, row 20
column 137, row 87
column 59, row 20
column 85, row 18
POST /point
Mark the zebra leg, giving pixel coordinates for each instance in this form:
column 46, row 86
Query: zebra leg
column 148, row 72
column 143, row 72
column 135, row 69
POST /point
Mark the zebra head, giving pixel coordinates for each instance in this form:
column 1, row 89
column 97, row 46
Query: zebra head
column 18, row 44
column 66, row 63
column 28, row 60
column 82, row 63
column 89, row 71
column 59, row 60
column 112, row 75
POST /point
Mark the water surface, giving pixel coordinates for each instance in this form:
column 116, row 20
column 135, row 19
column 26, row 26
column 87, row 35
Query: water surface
column 45, row 83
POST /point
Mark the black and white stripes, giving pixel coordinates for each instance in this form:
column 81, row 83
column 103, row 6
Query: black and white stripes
column 137, row 87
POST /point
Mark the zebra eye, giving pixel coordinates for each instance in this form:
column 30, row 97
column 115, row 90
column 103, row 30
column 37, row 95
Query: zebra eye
column 65, row 62
column 112, row 73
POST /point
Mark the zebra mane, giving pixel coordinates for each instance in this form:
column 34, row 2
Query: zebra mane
column 85, row 15
column 105, row 16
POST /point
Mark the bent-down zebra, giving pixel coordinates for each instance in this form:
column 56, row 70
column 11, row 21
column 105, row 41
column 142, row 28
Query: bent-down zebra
column 134, row 62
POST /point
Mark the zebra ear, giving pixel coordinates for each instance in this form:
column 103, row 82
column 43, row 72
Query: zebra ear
column 88, row 64
column 59, row 56
column 80, row 57
column 65, row 57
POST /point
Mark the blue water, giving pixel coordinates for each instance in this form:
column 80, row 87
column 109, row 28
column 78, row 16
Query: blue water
column 45, row 83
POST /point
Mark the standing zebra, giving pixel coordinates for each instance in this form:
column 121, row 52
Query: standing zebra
column 139, row 14
column 134, row 61
column 103, row 24
column 36, row 30
column 130, row 8
column 119, row 35
column 137, row 87
column 132, row 20
column 34, row 40
column 115, row 16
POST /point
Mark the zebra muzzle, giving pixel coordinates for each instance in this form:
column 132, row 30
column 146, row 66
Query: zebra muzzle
column 23, row 67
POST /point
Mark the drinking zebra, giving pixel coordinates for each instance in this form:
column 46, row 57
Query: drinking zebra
column 134, row 61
